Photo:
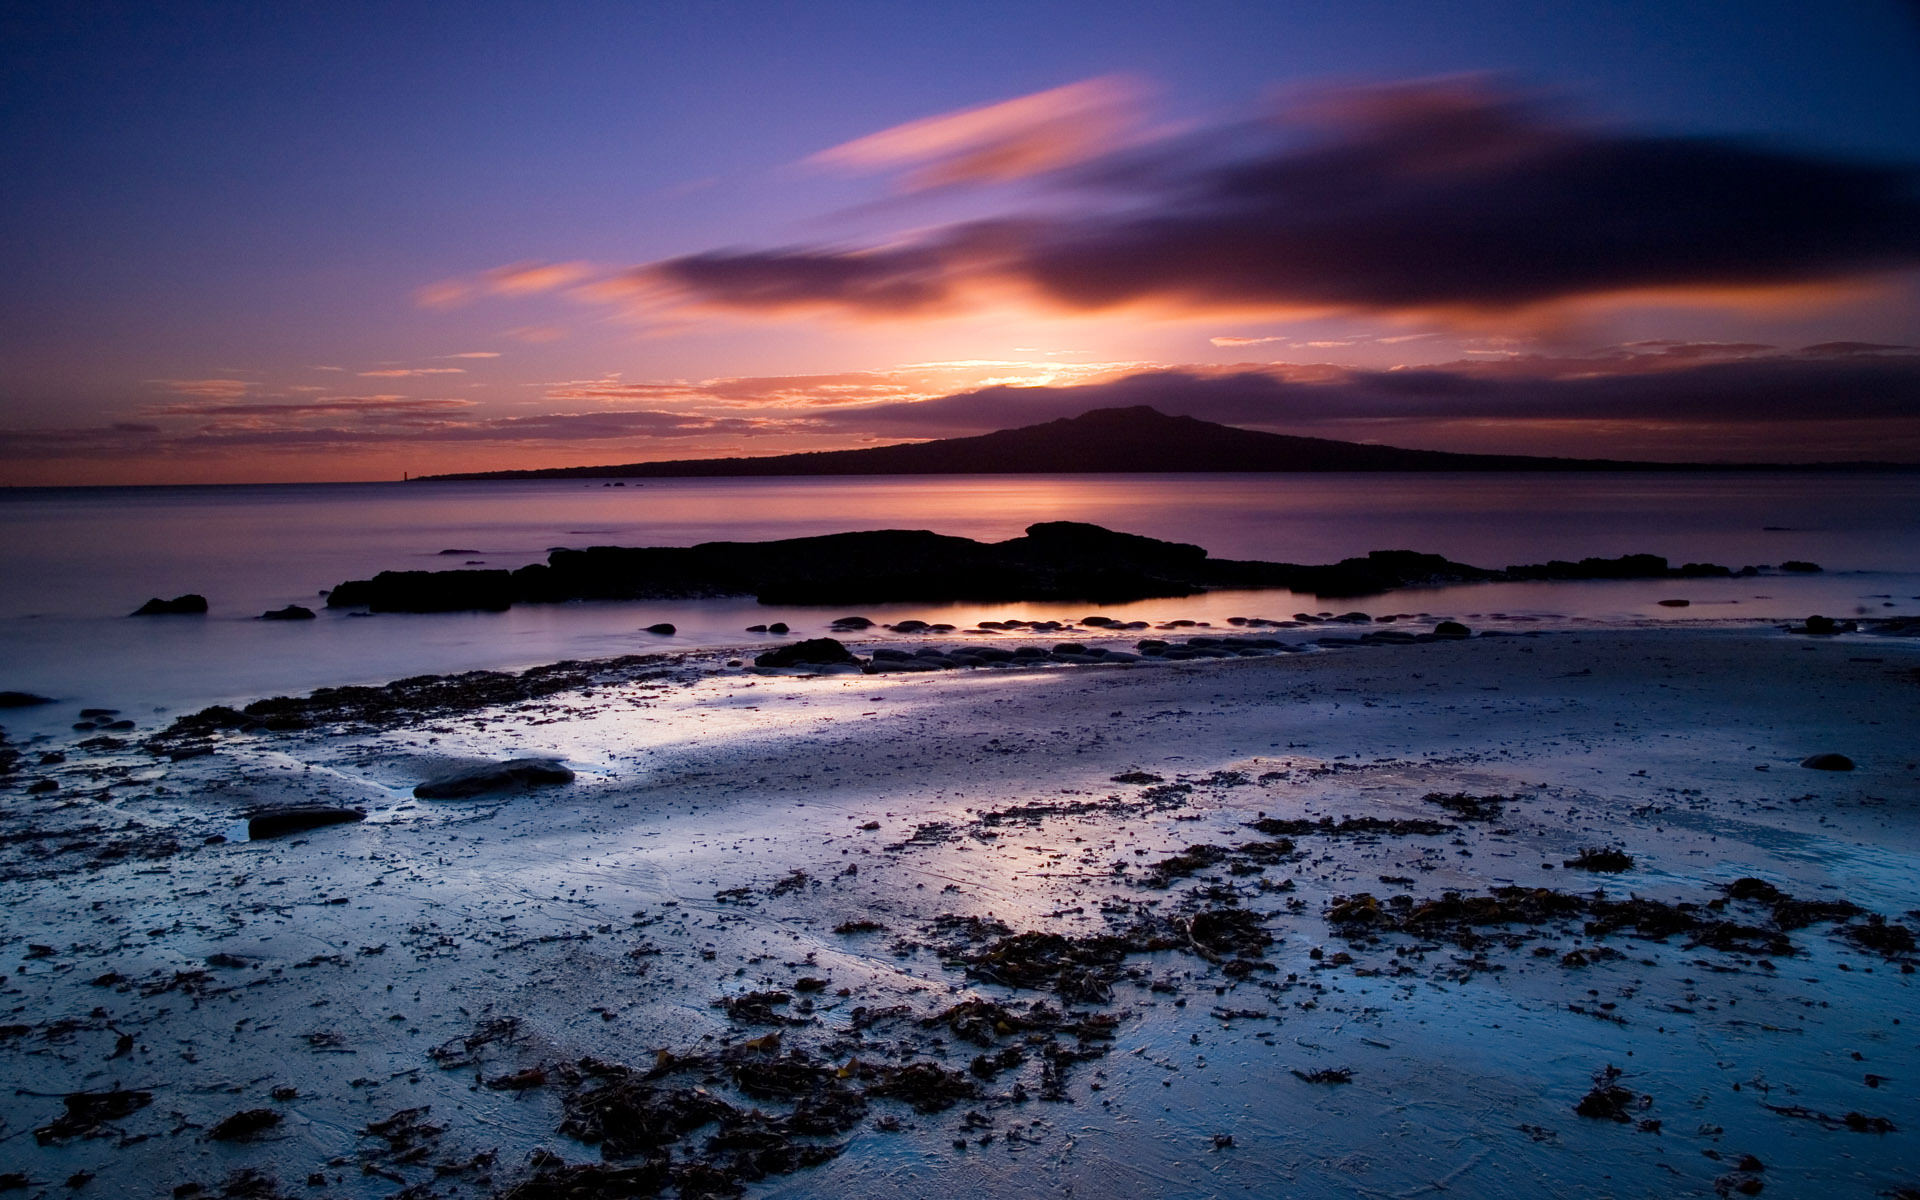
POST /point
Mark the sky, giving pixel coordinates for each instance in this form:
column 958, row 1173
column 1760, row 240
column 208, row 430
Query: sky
column 306, row 242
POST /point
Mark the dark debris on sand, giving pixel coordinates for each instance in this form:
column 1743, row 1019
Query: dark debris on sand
column 90, row 1114
column 406, row 701
column 1350, row 827
column 1459, row 918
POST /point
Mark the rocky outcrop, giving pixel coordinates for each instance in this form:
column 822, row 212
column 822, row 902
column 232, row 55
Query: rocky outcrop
column 513, row 775
column 1053, row 561
column 813, row 652
column 279, row 822
column 189, row 605
column 292, row 612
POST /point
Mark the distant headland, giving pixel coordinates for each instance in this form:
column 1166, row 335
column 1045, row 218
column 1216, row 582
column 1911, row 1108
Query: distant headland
column 1118, row 441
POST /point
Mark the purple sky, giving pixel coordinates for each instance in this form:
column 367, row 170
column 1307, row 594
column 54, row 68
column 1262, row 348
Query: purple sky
column 277, row 242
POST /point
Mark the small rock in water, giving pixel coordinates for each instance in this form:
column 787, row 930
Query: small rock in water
column 777, row 627
column 1821, row 626
column 292, row 612
column 190, row 604
column 278, row 822
column 1828, row 762
column 1675, row 603
column 812, row 652
column 1451, row 629
column 663, row 629
column 21, row 700
column 494, row 777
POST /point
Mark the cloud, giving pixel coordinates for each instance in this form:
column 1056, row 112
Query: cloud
column 537, row 429
column 1789, row 390
column 404, row 372
column 996, row 143
column 1455, row 196
column 474, row 354
column 514, row 279
column 1245, row 341
column 212, row 389
column 797, row 394
column 365, row 406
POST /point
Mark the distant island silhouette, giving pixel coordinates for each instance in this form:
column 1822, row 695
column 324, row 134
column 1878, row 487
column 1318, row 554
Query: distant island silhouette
column 1119, row 441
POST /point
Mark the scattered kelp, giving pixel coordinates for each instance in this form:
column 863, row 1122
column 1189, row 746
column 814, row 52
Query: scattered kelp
column 1789, row 913
column 1470, row 807
column 1083, row 969
column 1879, row 935
column 1350, row 827
column 1855, row 1121
column 1606, row 859
column 89, row 1114
column 1456, row 918
column 1608, row 1101
column 1195, row 859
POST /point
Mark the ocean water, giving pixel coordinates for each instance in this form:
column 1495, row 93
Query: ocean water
column 78, row 560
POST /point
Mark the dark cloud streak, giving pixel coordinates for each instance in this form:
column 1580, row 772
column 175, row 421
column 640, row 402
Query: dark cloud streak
column 1770, row 390
column 1415, row 197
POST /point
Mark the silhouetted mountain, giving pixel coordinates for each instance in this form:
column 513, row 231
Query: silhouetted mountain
column 1106, row 440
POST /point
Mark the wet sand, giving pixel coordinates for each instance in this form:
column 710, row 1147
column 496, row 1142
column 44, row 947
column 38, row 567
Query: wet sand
column 496, row 961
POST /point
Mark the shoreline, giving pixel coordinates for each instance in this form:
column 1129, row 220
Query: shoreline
column 717, row 813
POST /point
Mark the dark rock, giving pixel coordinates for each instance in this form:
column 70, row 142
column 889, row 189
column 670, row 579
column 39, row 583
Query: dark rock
column 1675, row 603
column 22, row 700
column 663, row 629
column 1451, row 629
column 187, row 605
column 1827, row 762
column 1820, row 626
column 812, row 652
column 515, row 773
column 457, row 550
column 292, row 612
column 756, row 629
column 778, row 627
column 911, row 627
column 278, row 822
column 853, row 623
column 244, row 1124
column 1800, row 567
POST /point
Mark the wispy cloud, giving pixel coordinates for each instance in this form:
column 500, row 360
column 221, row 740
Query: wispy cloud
column 214, row 389
column 514, row 279
column 996, row 143
column 381, row 406
column 793, row 394
column 405, row 372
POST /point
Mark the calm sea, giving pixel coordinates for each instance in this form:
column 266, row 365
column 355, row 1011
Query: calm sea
column 78, row 560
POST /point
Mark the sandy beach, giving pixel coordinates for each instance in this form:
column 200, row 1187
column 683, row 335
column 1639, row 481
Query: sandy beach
column 1306, row 924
